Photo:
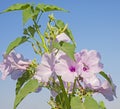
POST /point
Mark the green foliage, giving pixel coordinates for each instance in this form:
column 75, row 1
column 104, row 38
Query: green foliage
column 102, row 105
column 27, row 14
column 90, row 103
column 63, row 96
column 16, row 7
column 29, row 87
column 68, row 48
column 60, row 24
column 87, row 103
column 31, row 12
column 76, row 103
column 69, row 33
column 46, row 8
column 60, row 100
column 31, row 30
column 25, row 77
column 18, row 41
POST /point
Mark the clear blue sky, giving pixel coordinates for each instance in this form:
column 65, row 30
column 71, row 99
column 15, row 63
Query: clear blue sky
column 95, row 25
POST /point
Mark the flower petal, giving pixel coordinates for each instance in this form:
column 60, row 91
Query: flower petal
column 43, row 73
column 62, row 37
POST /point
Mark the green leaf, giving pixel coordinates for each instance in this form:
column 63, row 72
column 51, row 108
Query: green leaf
column 69, row 33
column 90, row 103
column 25, row 31
column 16, row 43
column 60, row 24
column 29, row 87
column 68, row 48
column 16, row 7
column 46, row 8
column 106, row 77
column 31, row 30
column 102, row 105
column 76, row 103
column 25, row 77
column 27, row 14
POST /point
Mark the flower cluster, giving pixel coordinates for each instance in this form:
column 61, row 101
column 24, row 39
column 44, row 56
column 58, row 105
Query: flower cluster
column 84, row 68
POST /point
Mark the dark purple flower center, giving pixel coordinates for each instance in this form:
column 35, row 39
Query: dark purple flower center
column 85, row 68
column 72, row 68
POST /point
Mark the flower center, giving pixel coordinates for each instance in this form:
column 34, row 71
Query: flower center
column 85, row 68
column 72, row 68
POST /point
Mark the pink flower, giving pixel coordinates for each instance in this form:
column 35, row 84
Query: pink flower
column 108, row 90
column 89, row 62
column 13, row 64
column 46, row 68
column 67, row 69
column 62, row 37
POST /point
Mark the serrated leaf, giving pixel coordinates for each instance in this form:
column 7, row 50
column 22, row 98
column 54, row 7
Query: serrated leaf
column 68, row 48
column 18, row 41
column 29, row 87
column 16, row 7
column 25, row 77
column 76, row 103
column 46, row 8
column 90, row 103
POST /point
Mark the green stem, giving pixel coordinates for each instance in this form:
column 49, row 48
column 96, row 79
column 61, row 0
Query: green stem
column 67, row 104
column 41, row 37
column 39, row 17
column 81, row 87
column 34, row 44
column 73, row 90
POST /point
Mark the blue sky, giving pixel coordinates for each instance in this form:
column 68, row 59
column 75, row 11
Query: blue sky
column 95, row 25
